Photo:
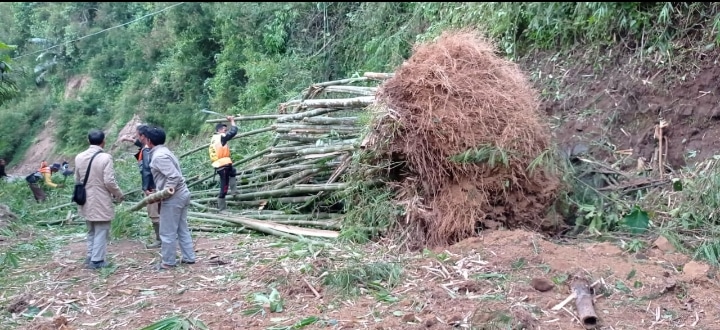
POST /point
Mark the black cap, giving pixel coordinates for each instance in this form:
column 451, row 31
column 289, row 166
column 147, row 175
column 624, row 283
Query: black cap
column 219, row 126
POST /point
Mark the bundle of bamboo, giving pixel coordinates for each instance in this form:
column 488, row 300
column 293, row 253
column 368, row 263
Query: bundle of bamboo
column 314, row 141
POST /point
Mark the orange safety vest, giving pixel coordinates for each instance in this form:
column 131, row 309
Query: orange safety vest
column 44, row 168
column 219, row 154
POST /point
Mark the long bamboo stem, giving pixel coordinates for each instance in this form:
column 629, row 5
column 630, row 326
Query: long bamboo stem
column 153, row 198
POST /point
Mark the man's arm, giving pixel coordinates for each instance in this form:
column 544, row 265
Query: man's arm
column 165, row 165
column 148, row 183
column 109, row 179
column 48, row 180
column 231, row 132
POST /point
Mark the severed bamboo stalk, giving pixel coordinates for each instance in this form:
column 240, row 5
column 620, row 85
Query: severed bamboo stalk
column 339, row 82
column 267, row 227
column 378, row 75
column 244, row 118
column 295, row 190
column 55, row 208
column 262, row 225
column 280, row 200
column 332, row 120
column 584, row 303
column 358, row 90
column 284, row 128
column 296, row 178
column 153, row 198
column 308, row 113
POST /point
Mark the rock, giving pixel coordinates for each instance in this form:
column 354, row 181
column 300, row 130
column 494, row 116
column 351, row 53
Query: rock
column 694, row 271
column 541, row 284
column 686, row 112
column 410, row 318
column 654, row 107
column 663, row 244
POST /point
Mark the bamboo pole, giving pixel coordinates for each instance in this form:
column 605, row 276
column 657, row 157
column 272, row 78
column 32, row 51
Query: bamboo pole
column 309, row 113
column 153, row 198
column 281, row 200
column 297, row 189
column 358, row 90
column 55, row 208
column 296, row 178
column 339, row 82
column 378, row 75
column 263, row 225
column 332, row 120
column 244, row 118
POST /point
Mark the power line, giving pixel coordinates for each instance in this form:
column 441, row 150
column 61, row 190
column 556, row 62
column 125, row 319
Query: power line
column 101, row 31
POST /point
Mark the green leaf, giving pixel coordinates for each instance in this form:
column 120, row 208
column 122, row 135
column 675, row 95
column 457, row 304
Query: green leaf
column 677, row 184
column 638, row 220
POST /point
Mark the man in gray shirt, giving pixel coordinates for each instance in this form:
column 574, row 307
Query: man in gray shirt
column 166, row 173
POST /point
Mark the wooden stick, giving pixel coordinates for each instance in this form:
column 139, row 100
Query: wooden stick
column 317, row 295
column 584, row 303
column 562, row 304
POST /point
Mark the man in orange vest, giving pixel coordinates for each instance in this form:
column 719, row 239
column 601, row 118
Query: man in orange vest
column 221, row 161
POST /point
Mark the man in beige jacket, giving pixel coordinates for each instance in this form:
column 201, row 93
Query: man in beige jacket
column 101, row 188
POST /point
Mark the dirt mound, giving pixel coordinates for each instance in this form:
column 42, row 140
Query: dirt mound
column 75, row 85
column 43, row 148
column 128, row 129
column 470, row 132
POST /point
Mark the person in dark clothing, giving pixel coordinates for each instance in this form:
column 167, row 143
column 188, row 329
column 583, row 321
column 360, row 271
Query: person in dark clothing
column 221, row 161
column 2, row 169
column 148, row 185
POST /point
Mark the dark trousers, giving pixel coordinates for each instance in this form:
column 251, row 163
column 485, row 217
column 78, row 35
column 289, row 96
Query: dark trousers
column 225, row 173
column 38, row 192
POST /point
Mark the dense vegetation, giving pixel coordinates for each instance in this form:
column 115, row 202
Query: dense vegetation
column 165, row 61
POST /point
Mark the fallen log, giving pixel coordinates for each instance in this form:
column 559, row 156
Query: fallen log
column 152, row 198
column 584, row 303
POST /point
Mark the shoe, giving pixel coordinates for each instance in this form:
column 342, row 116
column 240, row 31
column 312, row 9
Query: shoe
column 222, row 204
column 161, row 266
column 153, row 245
column 233, row 185
column 97, row 264
column 187, row 262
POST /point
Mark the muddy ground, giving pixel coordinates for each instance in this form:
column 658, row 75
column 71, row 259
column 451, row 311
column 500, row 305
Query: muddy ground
column 474, row 284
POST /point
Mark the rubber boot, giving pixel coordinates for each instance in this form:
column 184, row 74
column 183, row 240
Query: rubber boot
column 233, row 185
column 157, row 243
column 222, row 204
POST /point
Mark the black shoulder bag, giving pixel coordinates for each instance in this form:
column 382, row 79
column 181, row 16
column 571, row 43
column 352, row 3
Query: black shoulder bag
column 79, row 196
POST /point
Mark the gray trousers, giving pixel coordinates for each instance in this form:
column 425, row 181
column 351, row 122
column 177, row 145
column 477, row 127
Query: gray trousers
column 174, row 228
column 97, row 239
